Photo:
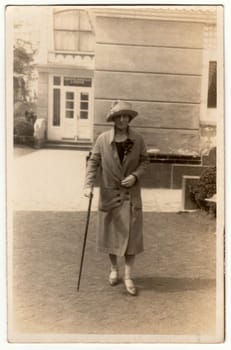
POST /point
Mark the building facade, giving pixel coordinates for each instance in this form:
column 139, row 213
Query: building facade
column 160, row 58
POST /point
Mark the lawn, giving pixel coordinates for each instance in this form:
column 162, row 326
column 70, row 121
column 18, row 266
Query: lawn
column 175, row 276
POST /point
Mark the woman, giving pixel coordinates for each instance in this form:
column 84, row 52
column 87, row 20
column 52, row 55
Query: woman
column 121, row 156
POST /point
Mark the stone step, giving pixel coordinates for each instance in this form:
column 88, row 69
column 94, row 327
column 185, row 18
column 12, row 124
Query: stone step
column 83, row 146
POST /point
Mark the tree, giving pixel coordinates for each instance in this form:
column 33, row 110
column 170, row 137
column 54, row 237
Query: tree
column 23, row 68
column 22, row 61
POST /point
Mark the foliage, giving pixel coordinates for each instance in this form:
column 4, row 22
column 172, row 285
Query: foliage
column 20, row 108
column 22, row 61
column 22, row 127
column 24, row 68
column 204, row 188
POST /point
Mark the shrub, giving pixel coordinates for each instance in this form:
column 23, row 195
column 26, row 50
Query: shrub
column 20, row 108
column 205, row 188
column 23, row 128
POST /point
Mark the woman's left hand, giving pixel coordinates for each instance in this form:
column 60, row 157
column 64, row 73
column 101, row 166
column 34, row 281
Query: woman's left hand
column 128, row 181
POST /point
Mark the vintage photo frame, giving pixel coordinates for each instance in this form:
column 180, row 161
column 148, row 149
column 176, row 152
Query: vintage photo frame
column 27, row 205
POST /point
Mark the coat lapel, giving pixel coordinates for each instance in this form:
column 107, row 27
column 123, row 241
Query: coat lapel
column 115, row 155
column 114, row 150
column 121, row 167
column 129, row 154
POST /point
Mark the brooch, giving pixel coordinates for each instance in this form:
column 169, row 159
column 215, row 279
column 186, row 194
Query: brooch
column 128, row 144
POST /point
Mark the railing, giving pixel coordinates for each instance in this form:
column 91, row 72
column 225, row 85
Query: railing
column 174, row 158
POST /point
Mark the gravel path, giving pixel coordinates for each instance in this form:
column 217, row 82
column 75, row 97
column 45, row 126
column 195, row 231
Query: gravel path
column 53, row 180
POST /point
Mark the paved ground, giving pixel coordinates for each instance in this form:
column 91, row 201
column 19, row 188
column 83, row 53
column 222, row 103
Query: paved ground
column 53, row 180
column 175, row 275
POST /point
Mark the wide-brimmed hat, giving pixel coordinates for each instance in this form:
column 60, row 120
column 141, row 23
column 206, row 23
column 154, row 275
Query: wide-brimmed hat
column 120, row 107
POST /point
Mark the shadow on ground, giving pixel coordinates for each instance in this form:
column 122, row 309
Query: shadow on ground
column 172, row 285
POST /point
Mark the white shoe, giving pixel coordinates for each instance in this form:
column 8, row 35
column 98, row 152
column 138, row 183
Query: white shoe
column 113, row 277
column 130, row 286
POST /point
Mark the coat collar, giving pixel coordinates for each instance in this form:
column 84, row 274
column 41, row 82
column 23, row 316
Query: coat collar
column 112, row 135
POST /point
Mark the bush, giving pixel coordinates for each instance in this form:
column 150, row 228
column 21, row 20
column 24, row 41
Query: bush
column 205, row 188
column 23, row 128
column 20, row 108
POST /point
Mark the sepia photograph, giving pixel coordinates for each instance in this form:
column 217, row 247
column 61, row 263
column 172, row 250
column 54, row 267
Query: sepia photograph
column 115, row 173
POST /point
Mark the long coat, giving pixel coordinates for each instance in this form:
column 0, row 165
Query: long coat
column 119, row 229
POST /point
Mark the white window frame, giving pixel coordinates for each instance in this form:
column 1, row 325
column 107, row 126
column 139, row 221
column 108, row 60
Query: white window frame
column 79, row 30
column 207, row 115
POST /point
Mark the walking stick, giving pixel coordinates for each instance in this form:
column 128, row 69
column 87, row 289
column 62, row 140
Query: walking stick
column 85, row 238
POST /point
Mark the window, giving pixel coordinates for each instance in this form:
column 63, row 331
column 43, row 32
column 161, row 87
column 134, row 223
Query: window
column 84, row 97
column 56, row 80
column 212, row 85
column 69, row 105
column 73, row 31
column 56, row 107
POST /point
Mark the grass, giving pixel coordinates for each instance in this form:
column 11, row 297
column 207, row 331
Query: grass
column 175, row 277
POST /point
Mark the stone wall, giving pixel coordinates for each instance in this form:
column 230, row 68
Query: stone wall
column 157, row 66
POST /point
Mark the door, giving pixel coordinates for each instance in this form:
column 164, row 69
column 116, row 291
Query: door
column 76, row 114
column 69, row 114
column 70, row 109
column 84, row 112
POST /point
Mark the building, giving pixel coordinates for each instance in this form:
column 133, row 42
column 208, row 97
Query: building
column 163, row 59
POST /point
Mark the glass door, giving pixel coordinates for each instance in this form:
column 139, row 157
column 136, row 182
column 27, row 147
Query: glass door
column 76, row 113
column 84, row 114
column 69, row 114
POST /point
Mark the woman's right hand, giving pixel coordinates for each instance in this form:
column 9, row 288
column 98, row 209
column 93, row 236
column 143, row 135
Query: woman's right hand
column 88, row 192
